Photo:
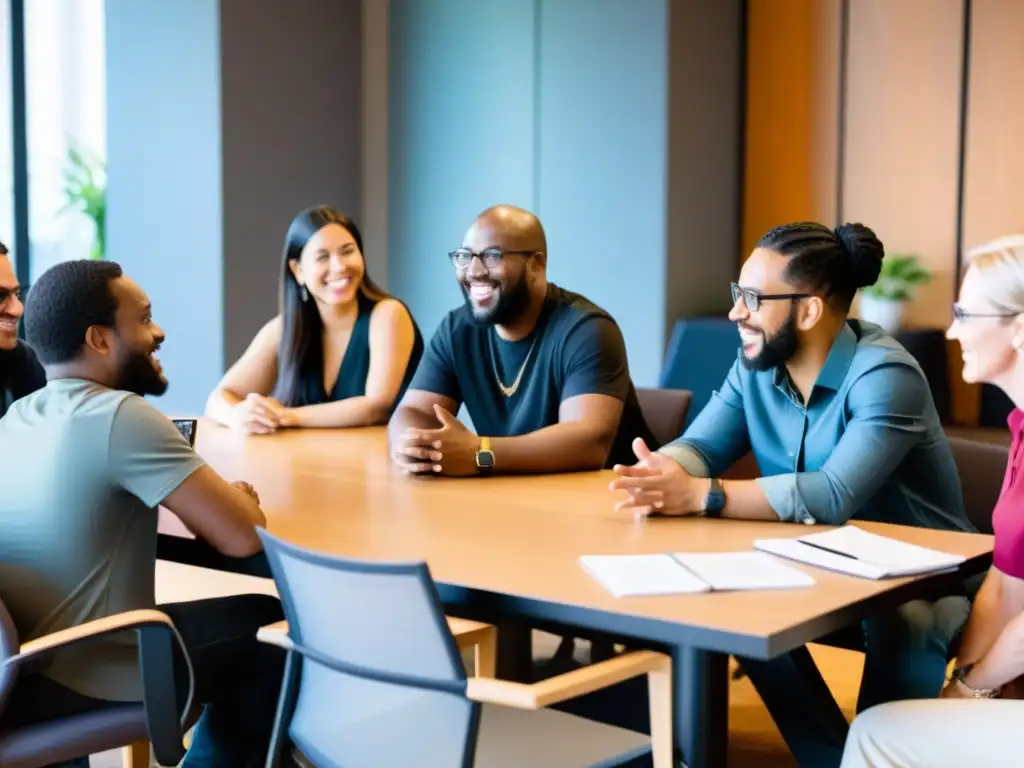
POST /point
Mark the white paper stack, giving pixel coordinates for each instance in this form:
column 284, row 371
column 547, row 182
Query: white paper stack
column 683, row 573
column 856, row 552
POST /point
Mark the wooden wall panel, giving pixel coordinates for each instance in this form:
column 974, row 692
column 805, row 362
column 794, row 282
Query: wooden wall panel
column 993, row 178
column 792, row 107
column 902, row 128
column 994, row 160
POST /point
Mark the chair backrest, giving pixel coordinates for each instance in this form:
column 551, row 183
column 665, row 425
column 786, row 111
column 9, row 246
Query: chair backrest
column 382, row 681
column 664, row 411
column 981, row 467
column 700, row 353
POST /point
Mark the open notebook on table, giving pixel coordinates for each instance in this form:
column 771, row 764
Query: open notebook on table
column 681, row 573
column 857, row 552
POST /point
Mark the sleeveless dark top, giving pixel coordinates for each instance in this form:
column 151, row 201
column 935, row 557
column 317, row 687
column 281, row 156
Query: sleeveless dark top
column 355, row 364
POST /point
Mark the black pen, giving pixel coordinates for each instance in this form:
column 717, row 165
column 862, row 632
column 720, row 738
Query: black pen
column 827, row 549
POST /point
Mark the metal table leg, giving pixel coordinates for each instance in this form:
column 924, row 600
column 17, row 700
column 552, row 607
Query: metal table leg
column 701, row 704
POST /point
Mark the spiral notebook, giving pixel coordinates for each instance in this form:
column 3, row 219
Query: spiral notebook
column 688, row 573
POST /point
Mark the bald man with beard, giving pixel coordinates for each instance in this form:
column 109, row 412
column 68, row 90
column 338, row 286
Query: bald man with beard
column 542, row 371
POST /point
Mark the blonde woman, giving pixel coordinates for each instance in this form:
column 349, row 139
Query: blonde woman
column 975, row 723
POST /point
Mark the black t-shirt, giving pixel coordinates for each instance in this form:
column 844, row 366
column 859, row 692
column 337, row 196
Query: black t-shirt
column 20, row 374
column 577, row 349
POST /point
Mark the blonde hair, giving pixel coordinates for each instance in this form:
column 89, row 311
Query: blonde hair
column 999, row 265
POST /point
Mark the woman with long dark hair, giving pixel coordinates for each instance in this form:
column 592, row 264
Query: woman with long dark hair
column 341, row 351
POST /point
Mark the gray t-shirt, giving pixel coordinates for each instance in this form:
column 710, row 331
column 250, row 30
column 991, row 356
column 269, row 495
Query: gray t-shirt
column 82, row 470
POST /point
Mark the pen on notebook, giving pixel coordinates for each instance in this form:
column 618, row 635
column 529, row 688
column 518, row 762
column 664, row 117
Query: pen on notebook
column 829, row 549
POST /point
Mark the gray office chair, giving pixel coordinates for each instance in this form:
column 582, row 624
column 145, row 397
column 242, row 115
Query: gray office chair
column 374, row 679
column 664, row 411
column 981, row 467
column 156, row 719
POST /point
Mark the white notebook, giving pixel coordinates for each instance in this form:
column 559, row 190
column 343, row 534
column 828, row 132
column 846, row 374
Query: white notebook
column 854, row 551
column 681, row 573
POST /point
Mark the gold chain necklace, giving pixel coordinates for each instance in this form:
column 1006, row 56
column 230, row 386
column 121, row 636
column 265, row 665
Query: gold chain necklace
column 509, row 391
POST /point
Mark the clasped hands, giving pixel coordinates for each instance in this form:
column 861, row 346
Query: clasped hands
column 261, row 415
column 447, row 450
column 658, row 485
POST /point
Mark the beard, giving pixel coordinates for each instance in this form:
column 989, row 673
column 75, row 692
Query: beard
column 138, row 375
column 777, row 349
column 512, row 302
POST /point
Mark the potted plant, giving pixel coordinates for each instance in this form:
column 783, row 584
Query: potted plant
column 85, row 188
column 882, row 303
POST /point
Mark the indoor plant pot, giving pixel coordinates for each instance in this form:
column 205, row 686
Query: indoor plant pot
column 883, row 302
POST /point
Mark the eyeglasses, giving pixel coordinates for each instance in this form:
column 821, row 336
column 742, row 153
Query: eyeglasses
column 959, row 313
column 490, row 258
column 6, row 294
column 752, row 299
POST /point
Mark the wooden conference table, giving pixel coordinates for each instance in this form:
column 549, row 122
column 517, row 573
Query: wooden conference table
column 505, row 549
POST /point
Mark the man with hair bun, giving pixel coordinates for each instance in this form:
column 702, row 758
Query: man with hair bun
column 841, row 421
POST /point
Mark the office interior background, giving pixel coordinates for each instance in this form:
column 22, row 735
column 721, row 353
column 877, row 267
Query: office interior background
column 656, row 140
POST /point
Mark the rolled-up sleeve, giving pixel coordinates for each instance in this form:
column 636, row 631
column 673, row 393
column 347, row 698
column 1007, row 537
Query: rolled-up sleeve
column 718, row 437
column 887, row 417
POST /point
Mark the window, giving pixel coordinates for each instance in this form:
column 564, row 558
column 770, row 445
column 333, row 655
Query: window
column 65, row 80
column 6, row 125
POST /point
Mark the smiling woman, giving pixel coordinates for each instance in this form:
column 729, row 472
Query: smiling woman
column 988, row 323
column 340, row 352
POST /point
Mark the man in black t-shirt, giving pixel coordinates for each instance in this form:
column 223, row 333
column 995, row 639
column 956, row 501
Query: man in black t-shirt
column 542, row 371
column 20, row 372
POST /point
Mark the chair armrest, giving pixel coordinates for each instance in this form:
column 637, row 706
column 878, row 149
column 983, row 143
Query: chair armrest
column 155, row 630
column 566, row 686
column 119, row 622
column 467, row 633
column 276, row 634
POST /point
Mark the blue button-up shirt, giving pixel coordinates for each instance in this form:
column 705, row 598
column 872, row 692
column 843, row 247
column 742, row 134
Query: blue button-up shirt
column 867, row 444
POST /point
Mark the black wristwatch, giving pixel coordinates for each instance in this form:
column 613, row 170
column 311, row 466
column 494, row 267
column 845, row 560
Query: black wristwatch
column 714, row 502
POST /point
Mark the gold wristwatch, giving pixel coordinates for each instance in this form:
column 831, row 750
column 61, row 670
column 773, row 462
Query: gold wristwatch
column 959, row 675
column 485, row 457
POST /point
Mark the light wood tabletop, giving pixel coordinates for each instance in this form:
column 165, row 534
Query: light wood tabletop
column 337, row 492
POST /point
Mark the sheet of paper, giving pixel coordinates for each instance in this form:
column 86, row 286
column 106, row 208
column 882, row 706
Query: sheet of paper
column 893, row 556
column 872, row 556
column 632, row 575
column 794, row 550
column 743, row 570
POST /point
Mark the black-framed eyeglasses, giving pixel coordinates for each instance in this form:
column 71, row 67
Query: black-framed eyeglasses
column 752, row 299
column 959, row 313
column 490, row 257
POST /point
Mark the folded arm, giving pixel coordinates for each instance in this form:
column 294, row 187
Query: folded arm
column 887, row 408
column 595, row 385
column 581, row 440
column 718, row 437
column 254, row 373
column 151, row 460
column 994, row 636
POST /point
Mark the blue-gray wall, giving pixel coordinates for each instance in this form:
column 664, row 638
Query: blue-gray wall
column 222, row 124
column 462, row 127
column 582, row 111
column 164, row 218
column 603, row 91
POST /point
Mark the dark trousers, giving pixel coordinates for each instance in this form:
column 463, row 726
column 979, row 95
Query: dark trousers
column 905, row 658
column 906, row 653
column 237, row 681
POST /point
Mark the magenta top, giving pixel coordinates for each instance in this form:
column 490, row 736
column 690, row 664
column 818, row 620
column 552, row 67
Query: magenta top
column 1008, row 516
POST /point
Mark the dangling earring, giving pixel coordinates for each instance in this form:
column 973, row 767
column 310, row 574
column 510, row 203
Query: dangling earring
column 305, row 294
